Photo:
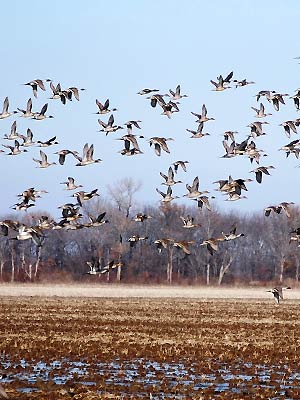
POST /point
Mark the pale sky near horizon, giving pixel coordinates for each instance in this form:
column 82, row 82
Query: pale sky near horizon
column 114, row 49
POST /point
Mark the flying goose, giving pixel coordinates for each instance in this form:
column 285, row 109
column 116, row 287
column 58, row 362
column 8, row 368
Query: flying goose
column 211, row 244
column 87, row 157
column 292, row 148
column 177, row 94
column 295, row 236
column 14, row 150
column 204, row 201
column 70, row 213
column 37, row 83
column 183, row 245
column 23, row 205
column 159, row 143
column 233, row 196
column 31, row 194
column 28, row 112
column 167, row 197
column 256, row 128
column 97, row 221
column 277, row 293
column 242, row 83
column 58, row 93
column 127, row 151
column 13, row 132
column 47, row 143
column 193, row 191
column 163, row 243
column 264, row 93
column 129, row 140
column 147, row 91
column 169, row 179
column 285, row 206
column 28, row 139
column 296, row 99
column 129, row 125
column 260, row 113
column 70, row 184
column 94, row 266
column 288, row 127
column 111, row 265
column 82, row 196
column 69, row 209
column 198, row 133
column 44, row 222
column 203, row 116
column 232, row 185
column 181, row 164
column 222, row 83
column 229, row 135
column 109, row 127
column 63, row 153
column 133, row 240
column 141, row 217
column 235, row 148
column 232, row 235
column 276, row 99
column 43, row 163
column 156, row 99
column 253, row 153
column 26, row 232
column 188, row 222
column 39, row 116
column 74, row 91
column 260, row 171
column 168, row 108
column 9, row 224
column 104, row 108
column 5, row 113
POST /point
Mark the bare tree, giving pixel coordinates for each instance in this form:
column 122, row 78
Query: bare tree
column 227, row 261
column 122, row 193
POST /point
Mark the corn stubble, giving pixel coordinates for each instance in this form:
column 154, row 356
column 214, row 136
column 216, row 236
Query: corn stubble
column 205, row 339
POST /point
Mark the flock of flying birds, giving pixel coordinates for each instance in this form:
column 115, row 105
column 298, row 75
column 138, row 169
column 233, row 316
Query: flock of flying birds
column 168, row 103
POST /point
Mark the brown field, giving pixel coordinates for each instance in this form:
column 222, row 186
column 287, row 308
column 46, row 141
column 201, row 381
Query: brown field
column 144, row 343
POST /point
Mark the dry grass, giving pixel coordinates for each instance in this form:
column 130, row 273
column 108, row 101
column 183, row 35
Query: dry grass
column 206, row 336
column 125, row 291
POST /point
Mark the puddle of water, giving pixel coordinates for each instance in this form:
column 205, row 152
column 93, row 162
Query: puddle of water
column 123, row 374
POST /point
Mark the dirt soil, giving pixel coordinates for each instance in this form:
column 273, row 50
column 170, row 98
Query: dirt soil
column 176, row 343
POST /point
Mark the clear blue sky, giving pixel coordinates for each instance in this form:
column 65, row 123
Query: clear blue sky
column 116, row 48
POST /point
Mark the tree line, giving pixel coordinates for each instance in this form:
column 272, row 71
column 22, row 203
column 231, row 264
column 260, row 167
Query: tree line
column 265, row 252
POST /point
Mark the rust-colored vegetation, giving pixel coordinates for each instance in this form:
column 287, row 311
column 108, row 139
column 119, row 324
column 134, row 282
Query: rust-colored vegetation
column 87, row 348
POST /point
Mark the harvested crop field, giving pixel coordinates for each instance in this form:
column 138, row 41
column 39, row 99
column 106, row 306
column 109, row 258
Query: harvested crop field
column 143, row 347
